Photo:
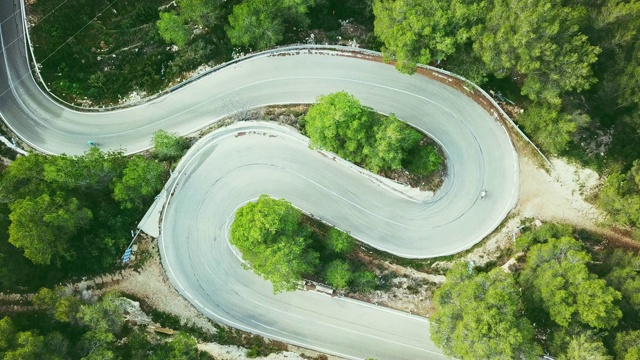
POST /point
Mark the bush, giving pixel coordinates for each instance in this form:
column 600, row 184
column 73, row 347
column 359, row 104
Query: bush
column 168, row 146
column 339, row 123
column 338, row 274
column 364, row 282
column 542, row 235
column 339, row 241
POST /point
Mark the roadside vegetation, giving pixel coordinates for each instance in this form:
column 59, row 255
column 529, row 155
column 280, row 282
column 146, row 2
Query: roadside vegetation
column 569, row 298
column 102, row 52
column 339, row 123
column 64, row 325
column 72, row 216
column 572, row 67
column 286, row 247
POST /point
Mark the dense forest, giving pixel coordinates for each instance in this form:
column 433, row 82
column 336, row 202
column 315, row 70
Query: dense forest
column 65, row 217
column 564, row 297
column 572, row 66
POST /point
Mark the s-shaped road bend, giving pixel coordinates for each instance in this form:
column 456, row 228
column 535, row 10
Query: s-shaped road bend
column 236, row 164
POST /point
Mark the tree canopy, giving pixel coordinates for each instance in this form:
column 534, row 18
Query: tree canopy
column 260, row 24
column 172, row 29
column 553, row 128
column 627, row 345
column 556, row 278
column 541, row 40
column 167, row 146
column 63, row 215
column 43, row 226
column 625, row 278
column 419, row 31
column 577, row 63
column 585, row 346
column 141, row 180
column 339, row 241
column 338, row 274
column 339, row 123
column 620, row 196
column 89, row 330
column 478, row 316
column 272, row 242
column 177, row 26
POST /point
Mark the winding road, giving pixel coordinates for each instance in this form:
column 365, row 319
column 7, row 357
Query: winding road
column 236, row 164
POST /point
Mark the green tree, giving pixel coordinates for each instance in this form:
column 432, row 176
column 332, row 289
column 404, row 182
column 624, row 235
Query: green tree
column 255, row 24
column 613, row 26
column 168, row 146
column 543, row 233
column 259, row 24
column 620, row 196
column 203, row 13
column 62, row 306
column 176, row 26
column 141, row 180
column 181, row 347
column 364, row 282
column 339, row 123
column 271, row 240
column 624, row 278
column 587, row 347
column 557, row 279
column 45, row 299
column 339, row 241
column 338, row 274
column 550, row 128
column 393, row 140
column 7, row 333
column 479, row 317
column 92, row 172
column 422, row 160
column 66, row 309
column 541, row 40
column 43, row 226
column 94, row 345
column 627, row 345
column 24, row 177
column 106, row 316
column 420, row 31
column 28, row 346
column 56, row 346
column 172, row 29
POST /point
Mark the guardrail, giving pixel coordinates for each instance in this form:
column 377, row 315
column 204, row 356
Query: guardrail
column 275, row 50
column 493, row 102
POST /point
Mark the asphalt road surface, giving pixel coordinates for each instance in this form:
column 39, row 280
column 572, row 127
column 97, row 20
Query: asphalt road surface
column 226, row 170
